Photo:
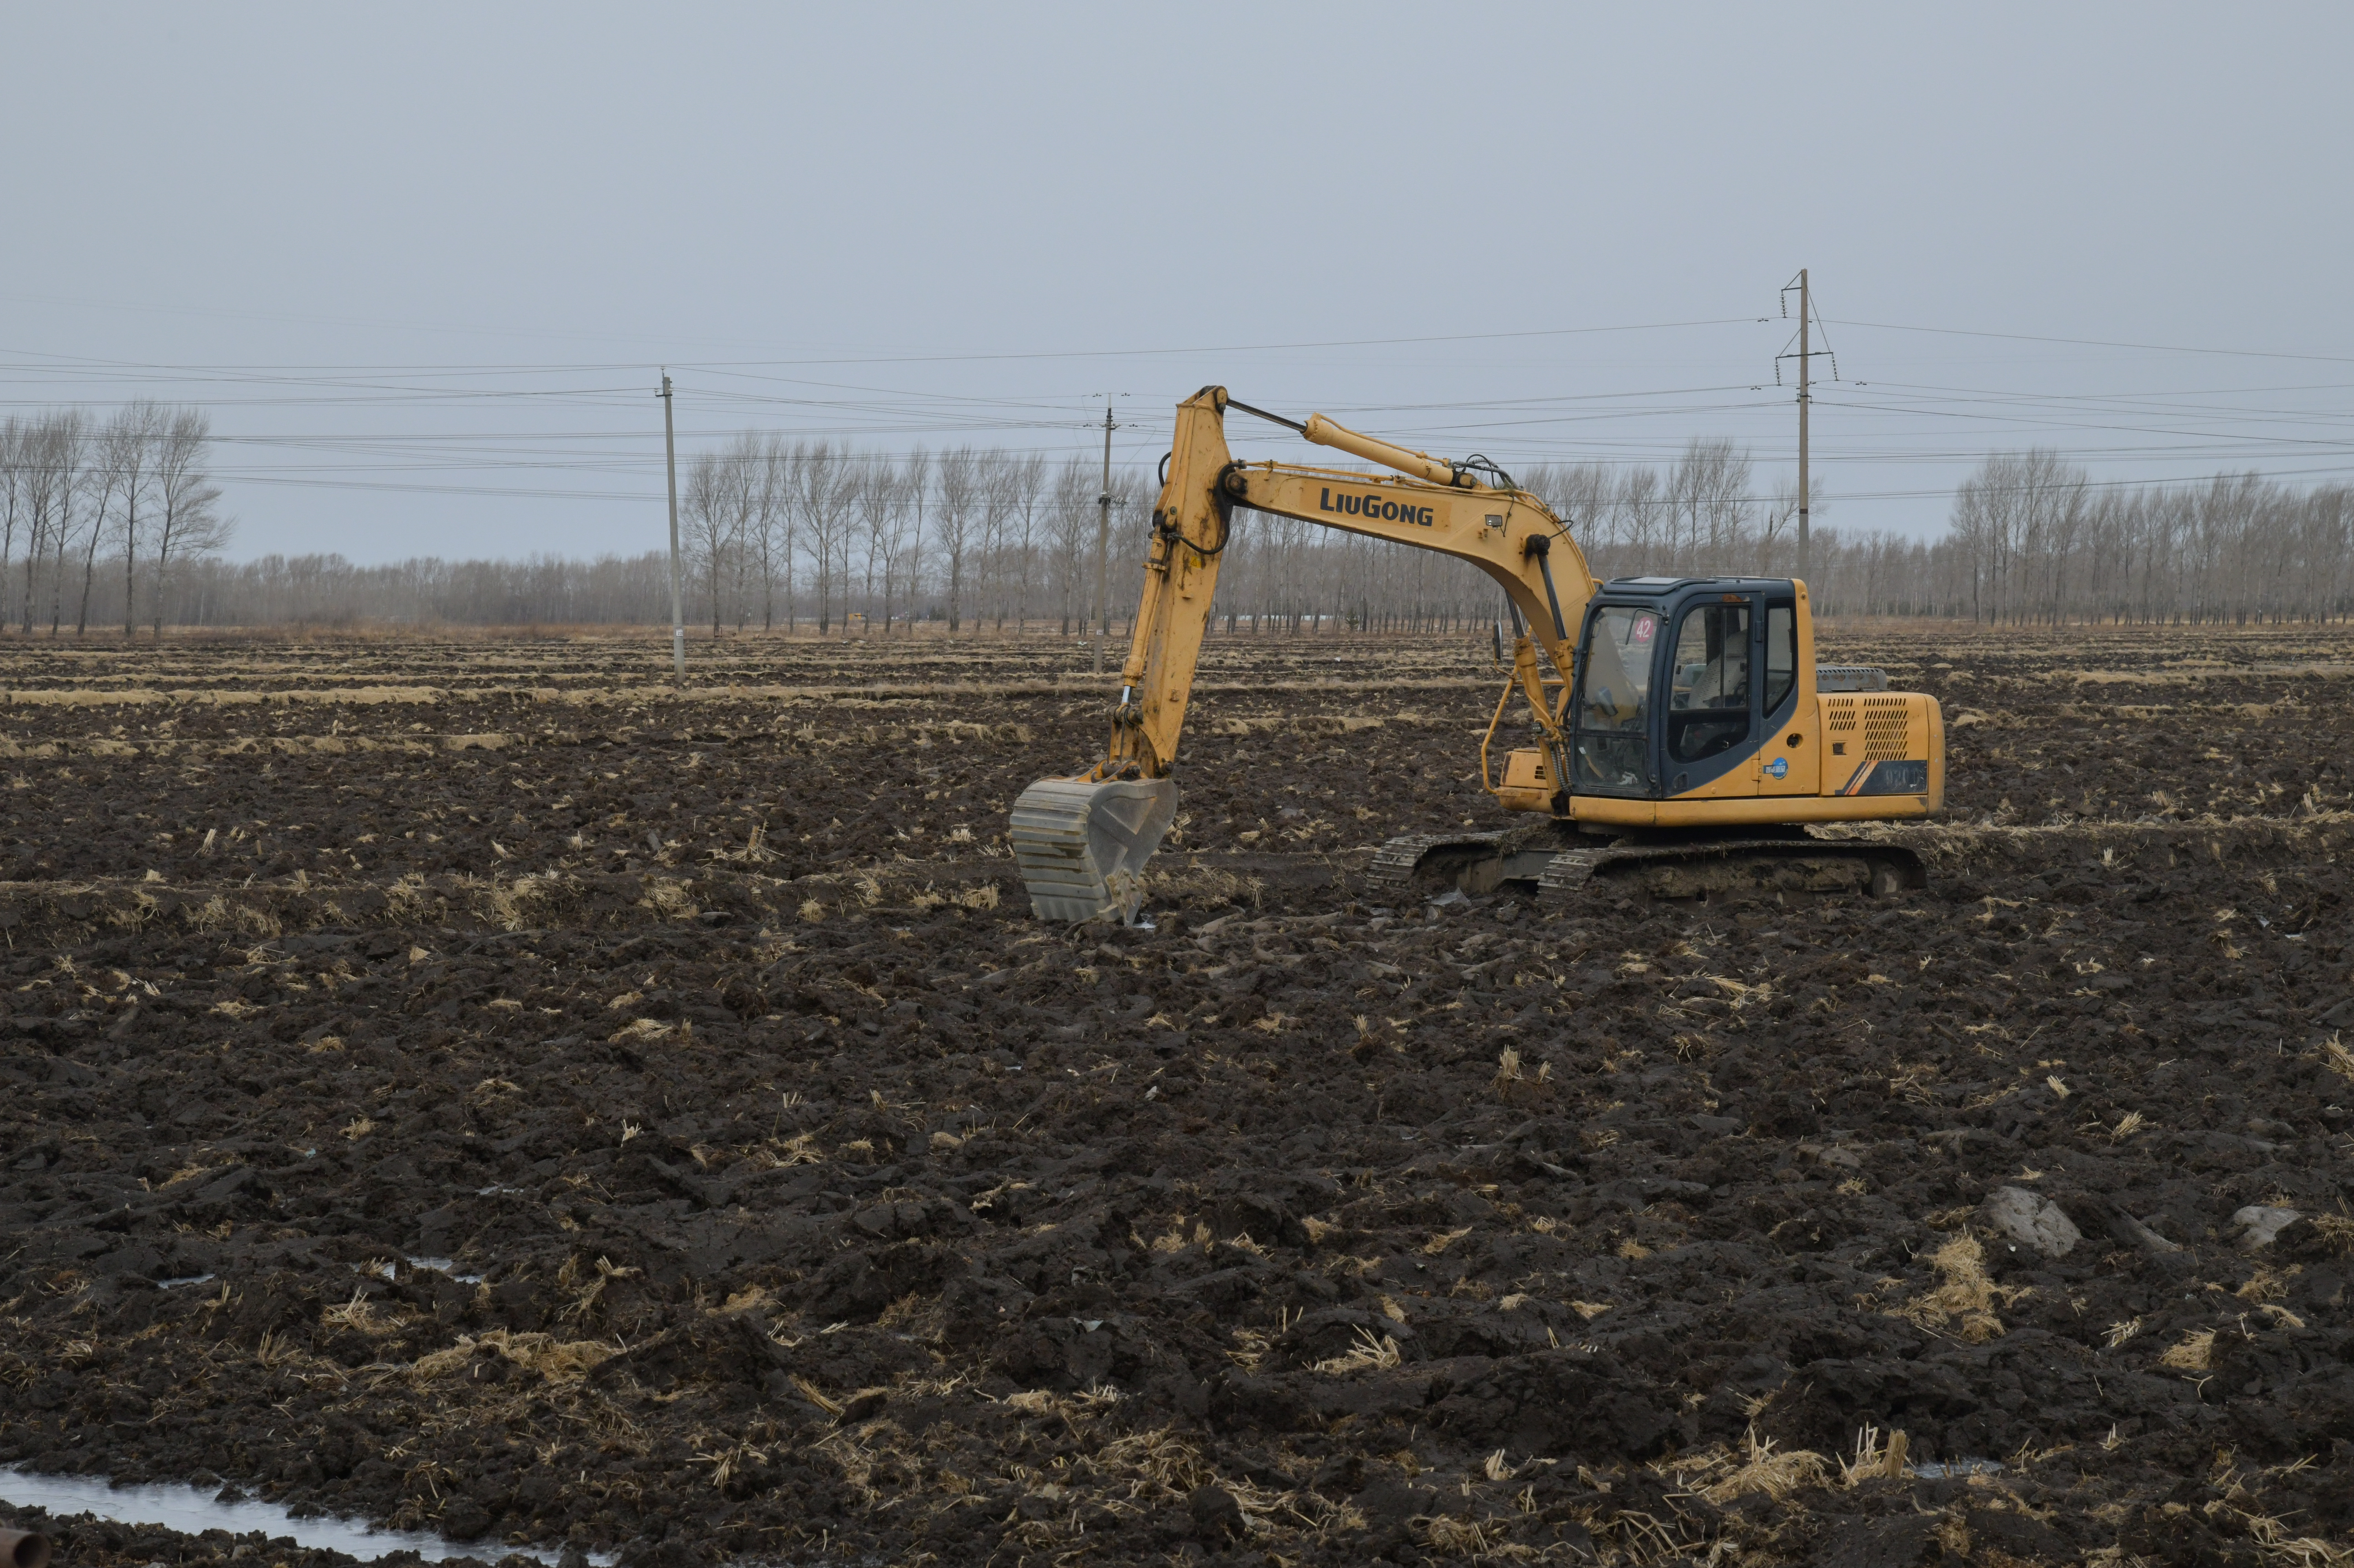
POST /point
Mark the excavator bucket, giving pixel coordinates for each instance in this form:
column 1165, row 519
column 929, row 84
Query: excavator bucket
column 1082, row 847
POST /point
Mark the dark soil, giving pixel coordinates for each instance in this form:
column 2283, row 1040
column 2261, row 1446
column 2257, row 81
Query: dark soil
column 469, row 1086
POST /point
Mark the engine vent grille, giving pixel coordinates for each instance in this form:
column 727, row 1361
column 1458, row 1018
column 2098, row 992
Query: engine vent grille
column 1886, row 728
column 1842, row 712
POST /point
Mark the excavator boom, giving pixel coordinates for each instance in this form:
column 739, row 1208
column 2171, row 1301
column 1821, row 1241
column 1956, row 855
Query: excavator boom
column 1082, row 840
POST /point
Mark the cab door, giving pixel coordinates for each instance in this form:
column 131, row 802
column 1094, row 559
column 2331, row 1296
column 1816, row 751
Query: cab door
column 1711, row 722
column 1789, row 761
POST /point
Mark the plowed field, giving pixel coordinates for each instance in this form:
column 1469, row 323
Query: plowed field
column 471, row 1085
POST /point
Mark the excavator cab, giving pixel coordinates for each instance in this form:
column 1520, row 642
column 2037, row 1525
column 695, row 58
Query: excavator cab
column 1680, row 678
column 1698, row 702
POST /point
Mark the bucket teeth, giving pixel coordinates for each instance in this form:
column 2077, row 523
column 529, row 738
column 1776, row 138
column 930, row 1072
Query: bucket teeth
column 1082, row 847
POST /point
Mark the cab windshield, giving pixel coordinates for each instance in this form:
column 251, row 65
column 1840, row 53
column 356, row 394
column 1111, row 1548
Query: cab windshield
column 1614, row 698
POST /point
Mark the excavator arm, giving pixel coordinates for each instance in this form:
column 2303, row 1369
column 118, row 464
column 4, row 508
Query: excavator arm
column 1082, row 840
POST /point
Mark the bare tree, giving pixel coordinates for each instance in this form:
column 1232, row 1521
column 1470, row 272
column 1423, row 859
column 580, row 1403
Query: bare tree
column 711, row 525
column 16, row 453
column 1025, row 478
column 960, row 501
column 878, row 519
column 773, row 522
column 916, row 487
column 828, row 491
column 127, row 449
column 188, row 521
column 997, row 490
column 1636, row 512
column 792, row 519
column 740, row 477
column 65, row 473
column 99, row 484
column 1070, row 521
column 40, row 507
column 810, row 476
column 1130, row 511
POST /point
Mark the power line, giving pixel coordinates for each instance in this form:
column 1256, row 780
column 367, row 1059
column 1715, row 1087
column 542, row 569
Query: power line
column 1030, row 354
column 2104, row 343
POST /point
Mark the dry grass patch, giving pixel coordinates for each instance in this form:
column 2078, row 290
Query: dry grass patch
column 1874, row 1460
column 2336, row 1229
column 1478, row 1540
column 359, row 1315
column 1966, row 1299
column 1513, row 1086
column 2194, row 1352
column 556, row 1360
column 2336, row 1057
column 1372, row 1352
column 1719, row 1475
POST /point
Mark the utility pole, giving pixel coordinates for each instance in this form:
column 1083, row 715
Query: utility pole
column 677, row 604
column 1103, row 542
column 1804, row 354
column 1805, row 562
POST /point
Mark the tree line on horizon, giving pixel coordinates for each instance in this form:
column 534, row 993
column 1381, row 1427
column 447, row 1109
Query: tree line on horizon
column 117, row 521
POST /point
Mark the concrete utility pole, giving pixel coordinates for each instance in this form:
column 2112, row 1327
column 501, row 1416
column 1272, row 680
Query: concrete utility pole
column 1804, row 561
column 677, row 603
column 1103, row 542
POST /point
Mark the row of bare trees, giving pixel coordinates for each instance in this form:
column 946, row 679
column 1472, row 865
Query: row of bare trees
column 103, row 512
column 778, row 532
column 118, row 519
column 2033, row 539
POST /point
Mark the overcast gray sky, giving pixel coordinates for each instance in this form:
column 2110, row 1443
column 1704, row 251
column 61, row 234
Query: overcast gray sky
column 423, row 261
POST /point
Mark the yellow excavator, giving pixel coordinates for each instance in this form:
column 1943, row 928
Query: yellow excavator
column 1682, row 727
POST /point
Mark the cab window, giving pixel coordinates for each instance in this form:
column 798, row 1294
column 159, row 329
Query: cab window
column 1781, row 652
column 1708, row 706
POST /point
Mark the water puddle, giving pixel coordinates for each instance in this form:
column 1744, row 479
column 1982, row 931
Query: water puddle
column 448, row 1266
column 388, row 1271
column 1955, row 1469
column 192, row 1510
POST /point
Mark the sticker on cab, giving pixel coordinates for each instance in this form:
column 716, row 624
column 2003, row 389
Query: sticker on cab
column 1643, row 625
column 1779, row 769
